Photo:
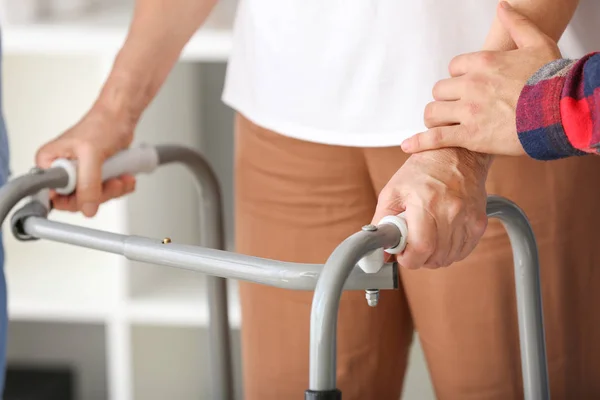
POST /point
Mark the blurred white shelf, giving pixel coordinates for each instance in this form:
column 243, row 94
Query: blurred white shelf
column 179, row 304
column 103, row 33
column 58, row 310
column 35, row 293
column 58, row 282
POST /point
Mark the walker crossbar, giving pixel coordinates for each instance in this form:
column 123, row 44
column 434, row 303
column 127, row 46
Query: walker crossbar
column 328, row 281
column 208, row 261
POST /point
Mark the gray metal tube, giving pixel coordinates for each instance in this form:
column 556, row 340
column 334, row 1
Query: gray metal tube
column 219, row 338
column 529, row 296
column 211, row 236
column 220, row 263
column 211, row 221
column 42, row 228
column 27, row 185
column 326, row 300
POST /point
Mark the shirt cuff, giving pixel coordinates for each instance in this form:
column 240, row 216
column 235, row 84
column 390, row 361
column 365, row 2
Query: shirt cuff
column 538, row 116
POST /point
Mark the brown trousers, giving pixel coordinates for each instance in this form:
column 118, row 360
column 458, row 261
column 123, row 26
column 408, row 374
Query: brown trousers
column 295, row 201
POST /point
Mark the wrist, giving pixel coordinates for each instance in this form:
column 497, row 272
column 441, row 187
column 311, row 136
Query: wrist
column 465, row 161
column 122, row 98
column 118, row 108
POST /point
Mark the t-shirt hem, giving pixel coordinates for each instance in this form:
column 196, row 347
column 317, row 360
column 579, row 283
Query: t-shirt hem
column 322, row 136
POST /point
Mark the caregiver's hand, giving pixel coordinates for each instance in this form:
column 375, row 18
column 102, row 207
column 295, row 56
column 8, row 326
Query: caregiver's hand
column 443, row 195
column 99, row 135
column 475, row 109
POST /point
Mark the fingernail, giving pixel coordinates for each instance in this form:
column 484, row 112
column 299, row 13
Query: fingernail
column 89, row 209
column 506, row 5
column 405, row 145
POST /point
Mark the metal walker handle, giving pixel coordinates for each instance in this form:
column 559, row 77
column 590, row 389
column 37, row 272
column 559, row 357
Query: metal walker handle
column 529, row 306
column 339, row 273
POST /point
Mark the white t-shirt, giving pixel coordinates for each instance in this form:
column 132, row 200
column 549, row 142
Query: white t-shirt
column 356, row 72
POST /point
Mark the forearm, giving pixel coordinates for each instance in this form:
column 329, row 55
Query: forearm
column 158, row 32
column 551, row 16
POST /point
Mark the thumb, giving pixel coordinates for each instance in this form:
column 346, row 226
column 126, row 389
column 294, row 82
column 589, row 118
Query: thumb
column 522, row 31
column 89, row 180
column 435, row 138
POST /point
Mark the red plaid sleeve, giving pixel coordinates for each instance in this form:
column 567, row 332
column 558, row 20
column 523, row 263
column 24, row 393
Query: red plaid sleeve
column 558, row 112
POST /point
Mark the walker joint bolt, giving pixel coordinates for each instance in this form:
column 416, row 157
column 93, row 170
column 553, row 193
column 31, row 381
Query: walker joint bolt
column 372, row 296
column 369, row 228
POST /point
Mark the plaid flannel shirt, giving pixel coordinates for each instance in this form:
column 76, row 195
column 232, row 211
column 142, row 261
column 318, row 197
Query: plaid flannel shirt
column 558, row 112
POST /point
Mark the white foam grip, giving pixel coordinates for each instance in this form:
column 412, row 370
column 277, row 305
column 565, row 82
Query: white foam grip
column 137, row 160
column 400, row 223
column 71, row 168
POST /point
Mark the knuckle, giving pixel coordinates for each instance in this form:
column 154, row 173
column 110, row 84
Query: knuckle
column 385, row 196
column 389, row 200
column 429, row 113
column 414, row 262
column 473, row 83
column 83, row 147
column 436, row 136
column 45, row 155
column 88, row 193
column 431, row 139
column 455, row 207
column 423, row 246
column 434, row 264
column 85, row 184
column 40, row 157
column 452, row 65
column 521, row 21
column 417, row 141
column 431, row 194
column 435, row 91
column 486, row 58
column 479, row 225
column 408, row 263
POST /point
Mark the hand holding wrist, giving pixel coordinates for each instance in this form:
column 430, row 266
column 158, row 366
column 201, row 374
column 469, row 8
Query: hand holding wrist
column 483, row 119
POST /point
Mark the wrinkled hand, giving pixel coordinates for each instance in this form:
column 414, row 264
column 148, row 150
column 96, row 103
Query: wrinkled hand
column 443, row 195
column 99, row 135
column 475, row 109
